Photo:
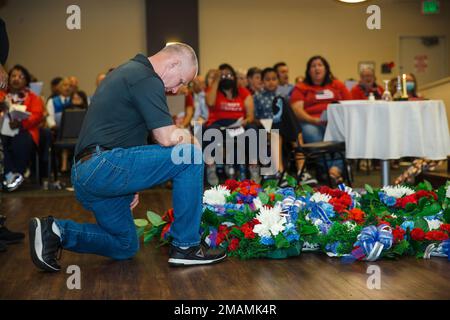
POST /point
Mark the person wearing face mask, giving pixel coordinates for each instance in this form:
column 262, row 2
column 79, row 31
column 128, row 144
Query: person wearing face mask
column 366, row 86
column 310, row 99
column 227, row 103
column 19, row 148
column 113, row 163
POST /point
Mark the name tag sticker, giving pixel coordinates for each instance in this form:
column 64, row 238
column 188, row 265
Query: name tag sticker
column 324, row 95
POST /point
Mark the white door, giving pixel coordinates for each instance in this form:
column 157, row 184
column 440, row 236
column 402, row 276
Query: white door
column 426, row 57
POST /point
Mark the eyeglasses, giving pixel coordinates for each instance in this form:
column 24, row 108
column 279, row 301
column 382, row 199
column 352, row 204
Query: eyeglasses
column 227, row 76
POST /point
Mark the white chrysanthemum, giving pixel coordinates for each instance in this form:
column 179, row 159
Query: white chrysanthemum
column 320, row 197
column 397, row 191
column 447, row 193
column 216, row 195
column 434, row 224
column 272, row 222
column 257, row 203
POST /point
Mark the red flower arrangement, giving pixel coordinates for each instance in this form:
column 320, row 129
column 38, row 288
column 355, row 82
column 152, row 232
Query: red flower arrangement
column 436, row 235
column 356, row 215
column 417, row 234
column 234, row 244
column 247, row 229
column 415, row 197
column 445, row 227
column 398, row 234
column 340, row 200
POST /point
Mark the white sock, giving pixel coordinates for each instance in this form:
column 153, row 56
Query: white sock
column 56, row 230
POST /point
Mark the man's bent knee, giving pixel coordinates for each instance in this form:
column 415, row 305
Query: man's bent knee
column 187, row 154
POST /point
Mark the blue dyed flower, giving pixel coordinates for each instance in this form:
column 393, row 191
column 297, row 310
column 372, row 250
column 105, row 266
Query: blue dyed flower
column 332, row 247
column 267, row 241
column 286, row 192
column 387, row 200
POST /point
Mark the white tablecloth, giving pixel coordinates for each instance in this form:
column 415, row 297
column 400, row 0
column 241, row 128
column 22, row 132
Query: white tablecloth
column 390, row 130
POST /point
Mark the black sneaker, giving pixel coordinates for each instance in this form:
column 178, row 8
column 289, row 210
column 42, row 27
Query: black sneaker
column 3, row 246
column 7, row 236
column 194, row 256
column 45, row 245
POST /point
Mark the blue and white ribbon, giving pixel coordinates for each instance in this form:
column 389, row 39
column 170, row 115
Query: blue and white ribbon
column 438, row 250
column 374, row 240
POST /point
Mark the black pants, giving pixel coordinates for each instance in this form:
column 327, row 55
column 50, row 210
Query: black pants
column 17, row 152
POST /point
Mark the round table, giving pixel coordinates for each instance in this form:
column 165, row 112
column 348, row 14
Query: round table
column 390, row 130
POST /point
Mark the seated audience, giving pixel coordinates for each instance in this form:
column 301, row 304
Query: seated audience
column 254, row 80
column 270, row 105
column 284, row 87
column 57, row 104
column 227, row 103
column 310, row 99
column 18, row 147
column 54, row 87
column 73, row 84
column 241, row 78
column 78, row 100
column 55, row 107
column 367, row 85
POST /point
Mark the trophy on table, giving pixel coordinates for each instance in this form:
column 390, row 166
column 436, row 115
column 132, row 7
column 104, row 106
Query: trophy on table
column 387, row 96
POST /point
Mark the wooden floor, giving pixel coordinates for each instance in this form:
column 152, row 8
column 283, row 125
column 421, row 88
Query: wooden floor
column 148, row 276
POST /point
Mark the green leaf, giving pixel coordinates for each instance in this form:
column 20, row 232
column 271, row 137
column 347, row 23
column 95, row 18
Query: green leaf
column 430, row 210
column 308, row 189
column 140, row 231
column 410, row 206
column 155, row 219
column 368, row 188
column 292, row 182
column 264, row 197
column 141, row 223
column 281, row 241
column 148, row 236
column 401, row 248
column 422, row 224
column 308, row 230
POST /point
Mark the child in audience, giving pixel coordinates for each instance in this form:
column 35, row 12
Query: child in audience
column 269, row 104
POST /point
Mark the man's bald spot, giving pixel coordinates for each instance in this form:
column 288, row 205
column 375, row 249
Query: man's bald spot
column 184, row 52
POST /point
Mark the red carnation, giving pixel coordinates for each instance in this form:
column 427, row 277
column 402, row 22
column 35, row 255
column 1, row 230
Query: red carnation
column 417, row 234
column 247, row 229
column 234, row 244
column 356, row 215
column 272, row 197
column 402, row 202
column 231, row 184
column 436, row 235
column 423, row 193
column 398, row 234
column 445, row 227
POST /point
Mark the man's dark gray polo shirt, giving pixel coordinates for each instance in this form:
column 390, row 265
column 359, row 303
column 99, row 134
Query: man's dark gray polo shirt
column 129, row 102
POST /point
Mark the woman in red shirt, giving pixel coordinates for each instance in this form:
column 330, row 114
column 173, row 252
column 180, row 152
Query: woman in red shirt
column 19, row 148
column 310, row 99
column 228, row 103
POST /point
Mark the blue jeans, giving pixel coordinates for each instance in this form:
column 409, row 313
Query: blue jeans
column 106, row 183
column 315, row 133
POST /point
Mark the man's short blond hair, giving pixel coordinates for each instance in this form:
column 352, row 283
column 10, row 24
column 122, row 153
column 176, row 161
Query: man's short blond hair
column 182, row 49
